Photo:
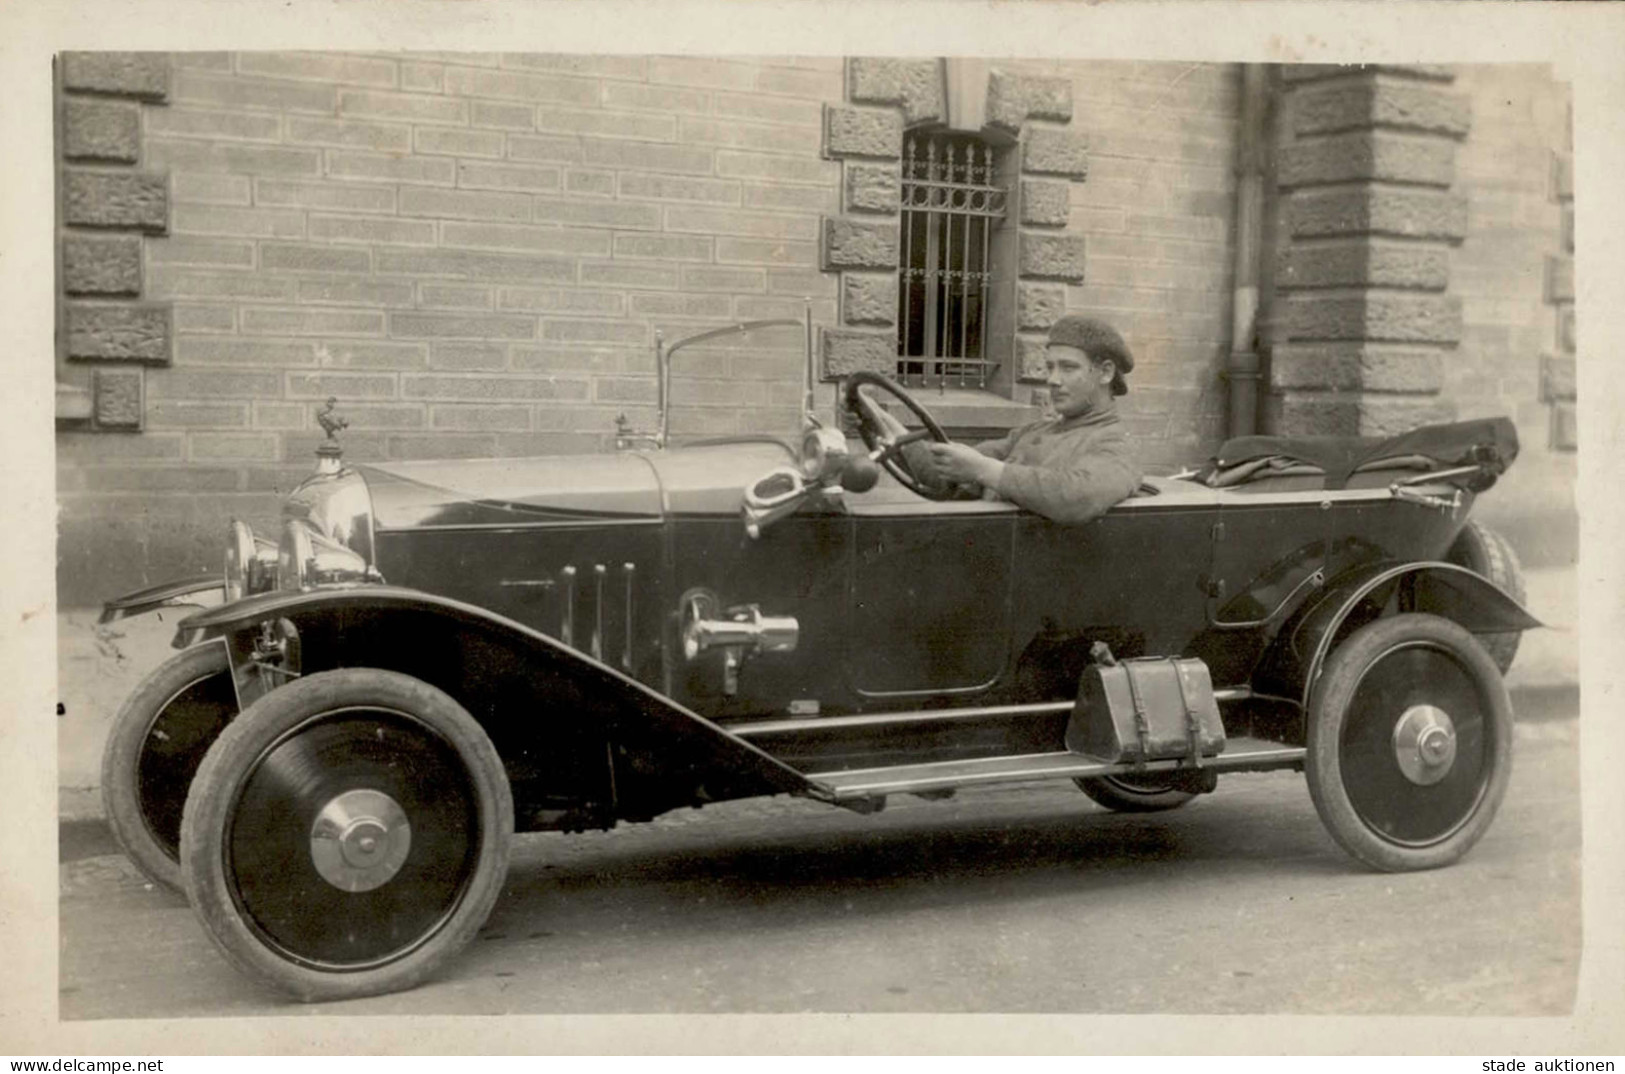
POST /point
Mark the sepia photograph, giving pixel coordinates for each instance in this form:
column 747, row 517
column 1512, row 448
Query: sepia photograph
column 813, row 531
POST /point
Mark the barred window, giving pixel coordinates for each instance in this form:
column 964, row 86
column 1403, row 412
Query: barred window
column 950, row 209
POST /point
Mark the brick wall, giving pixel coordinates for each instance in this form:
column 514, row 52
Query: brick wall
column 1514, row 274
column 1156, row 214
column 472, row 252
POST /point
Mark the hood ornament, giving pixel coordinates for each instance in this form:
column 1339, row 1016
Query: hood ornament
column 329, row 452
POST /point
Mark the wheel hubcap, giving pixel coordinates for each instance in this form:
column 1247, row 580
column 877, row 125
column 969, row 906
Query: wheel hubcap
column 360, row 840
column 321, row 859
column 1416, row 750
column 1424, row 744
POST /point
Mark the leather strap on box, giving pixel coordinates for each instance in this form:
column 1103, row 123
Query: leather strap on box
column 1141, row 727
column 1193, row 723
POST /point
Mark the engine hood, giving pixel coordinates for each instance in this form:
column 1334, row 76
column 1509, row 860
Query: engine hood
column 700, row 480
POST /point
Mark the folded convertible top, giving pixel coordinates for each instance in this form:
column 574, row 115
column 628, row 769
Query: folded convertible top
column 1491, row 443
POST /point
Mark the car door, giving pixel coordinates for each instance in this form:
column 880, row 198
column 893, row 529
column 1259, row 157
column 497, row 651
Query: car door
column 1132, row 578
column 928, row 608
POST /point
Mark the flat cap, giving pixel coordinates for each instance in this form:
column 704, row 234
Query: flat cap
column 1098, row 340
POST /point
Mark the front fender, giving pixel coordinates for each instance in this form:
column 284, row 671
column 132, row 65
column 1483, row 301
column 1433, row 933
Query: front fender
column 578, row 736
column 206, row 590
column 1363, row 594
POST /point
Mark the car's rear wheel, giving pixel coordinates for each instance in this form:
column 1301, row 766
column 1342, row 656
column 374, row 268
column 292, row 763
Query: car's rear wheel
column 347, row 834
column 157, row 742
column 1410, row 742
column 1136, row 794
column 1486, row 553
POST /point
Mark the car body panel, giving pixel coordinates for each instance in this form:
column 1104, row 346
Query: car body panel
column 1374, row 589
column 583, row 742
column 903, row 608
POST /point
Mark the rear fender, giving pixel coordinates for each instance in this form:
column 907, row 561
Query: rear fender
column 583, row 743
column 1371, row 591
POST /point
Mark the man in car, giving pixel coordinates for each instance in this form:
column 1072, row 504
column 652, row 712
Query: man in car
column 1070, row 467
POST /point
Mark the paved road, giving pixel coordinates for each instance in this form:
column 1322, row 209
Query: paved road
column 1026, row 899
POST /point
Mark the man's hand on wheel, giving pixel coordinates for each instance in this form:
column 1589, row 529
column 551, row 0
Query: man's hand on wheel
column 964, row 465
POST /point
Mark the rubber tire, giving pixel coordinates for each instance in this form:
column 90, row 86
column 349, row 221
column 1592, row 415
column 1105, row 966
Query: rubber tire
column 121, row 758
column 1328, row 708
column 231, row 761
column 1487, row 554
column 1119, row 796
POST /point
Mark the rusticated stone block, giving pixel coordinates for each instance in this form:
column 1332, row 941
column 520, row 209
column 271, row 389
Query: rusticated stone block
column 1381, row 102
column 1039, row 305
column 1353, row 367
column 1030, row 358
column 1055, row 152
column 101, row 264
column 1568, row 228
column 101, row 130
column 128, row 74
column 1565, row 328
column 1312, row 414
column 1013, row 99
column 849, row 352
column 1377, row 210
column 118, row 398
column 854, row 244
column 1565, row 428
column 869, row 298
column 1560, row 279
column 872, row 188
column 1046, row 202
column 1390, row 415
column 1053, row 257
column 74, row 405
column 130, row 333
column 1376, row 316
column 1294, row 414
column 1384, row 155
column 916, row 85
column 1363, row 263
column 863, row 132
column 115, row 199
column 1309, row 72
column 1557, row 380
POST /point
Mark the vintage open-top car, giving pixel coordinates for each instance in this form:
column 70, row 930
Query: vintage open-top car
column 435, row 655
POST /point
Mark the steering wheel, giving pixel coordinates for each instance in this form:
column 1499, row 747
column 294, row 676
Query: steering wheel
column 880, row 432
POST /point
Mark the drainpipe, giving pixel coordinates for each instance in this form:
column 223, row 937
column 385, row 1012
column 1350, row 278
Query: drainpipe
column 1242, row 368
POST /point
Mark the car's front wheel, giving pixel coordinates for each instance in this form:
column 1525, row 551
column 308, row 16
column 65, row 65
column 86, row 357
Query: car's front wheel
column 1410, row 742
column 347, row 834
column 158, row 740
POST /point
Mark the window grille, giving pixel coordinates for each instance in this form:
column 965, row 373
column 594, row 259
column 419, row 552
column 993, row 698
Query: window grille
column 950, row 209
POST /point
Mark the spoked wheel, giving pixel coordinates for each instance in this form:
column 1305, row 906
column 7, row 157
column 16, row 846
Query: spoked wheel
column 347, row 835
column 158, row 740
column 1410, row 742
column 1136, row 794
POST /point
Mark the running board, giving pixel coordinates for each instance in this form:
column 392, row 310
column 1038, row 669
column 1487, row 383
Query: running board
column 1240, row 755
column 825, row 724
